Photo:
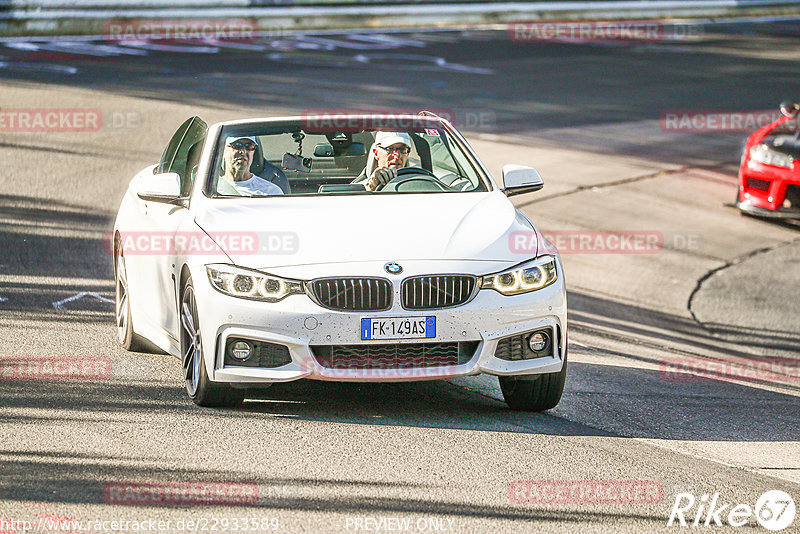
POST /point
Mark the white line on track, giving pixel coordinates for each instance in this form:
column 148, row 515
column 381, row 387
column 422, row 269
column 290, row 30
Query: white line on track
column 59, row 305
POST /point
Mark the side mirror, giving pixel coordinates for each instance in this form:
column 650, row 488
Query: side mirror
column 789, row 108
column 519, row 179
column 165, row 188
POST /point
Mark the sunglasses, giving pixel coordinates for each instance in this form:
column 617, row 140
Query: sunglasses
column 397, row 150
column 238, row 145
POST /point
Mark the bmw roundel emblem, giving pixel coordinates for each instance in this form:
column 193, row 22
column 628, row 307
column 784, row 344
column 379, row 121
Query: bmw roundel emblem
column 393, row 268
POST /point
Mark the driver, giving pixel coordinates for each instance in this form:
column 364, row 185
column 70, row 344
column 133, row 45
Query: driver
column 390, row 150
column 237, row 158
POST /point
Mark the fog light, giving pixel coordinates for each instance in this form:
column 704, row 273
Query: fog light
column 537, row 342
column 241, row 350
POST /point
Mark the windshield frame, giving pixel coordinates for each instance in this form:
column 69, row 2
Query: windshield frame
column 274, row 126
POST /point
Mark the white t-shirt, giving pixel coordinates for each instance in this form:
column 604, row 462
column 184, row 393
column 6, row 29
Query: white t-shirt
column 257, row 186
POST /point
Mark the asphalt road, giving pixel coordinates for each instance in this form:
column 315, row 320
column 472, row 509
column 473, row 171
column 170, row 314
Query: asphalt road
column 446, row 456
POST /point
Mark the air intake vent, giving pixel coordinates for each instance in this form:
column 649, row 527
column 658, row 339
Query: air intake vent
column 438, row 291
column 353, row 294
column 759, row 185
column 395, row 355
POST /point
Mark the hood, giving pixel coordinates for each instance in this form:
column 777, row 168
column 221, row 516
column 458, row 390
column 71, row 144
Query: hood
column 757, row 136
column 363, row 228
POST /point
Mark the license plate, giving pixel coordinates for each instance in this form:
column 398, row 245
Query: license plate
column 398, row 328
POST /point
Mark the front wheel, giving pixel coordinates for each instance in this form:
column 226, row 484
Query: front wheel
column 537, row 395
column 201, row 390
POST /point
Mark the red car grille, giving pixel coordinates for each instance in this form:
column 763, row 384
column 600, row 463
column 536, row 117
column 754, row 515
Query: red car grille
column 394, row 355
column 759, row 185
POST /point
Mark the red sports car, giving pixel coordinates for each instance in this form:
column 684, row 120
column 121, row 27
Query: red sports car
column 769, row 175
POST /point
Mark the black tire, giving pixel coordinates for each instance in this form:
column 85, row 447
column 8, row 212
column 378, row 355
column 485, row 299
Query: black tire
column 536, row 395
column 129, row 339
column 201, row 390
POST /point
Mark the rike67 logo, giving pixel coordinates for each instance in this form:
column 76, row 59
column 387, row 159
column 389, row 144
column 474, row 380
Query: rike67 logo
column 774, row 510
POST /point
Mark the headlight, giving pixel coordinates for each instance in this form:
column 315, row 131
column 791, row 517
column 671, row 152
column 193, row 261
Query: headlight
column 764, row 154
column 523, row 279
column 247, row 284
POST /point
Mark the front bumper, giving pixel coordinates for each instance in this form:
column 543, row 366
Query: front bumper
column 778, row 213
column 769, row 191
column 300, row 324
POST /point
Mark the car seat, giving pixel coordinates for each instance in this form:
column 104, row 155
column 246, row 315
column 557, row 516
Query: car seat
column 266, row 170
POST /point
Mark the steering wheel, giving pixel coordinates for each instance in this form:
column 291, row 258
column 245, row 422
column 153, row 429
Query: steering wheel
column 413, row 180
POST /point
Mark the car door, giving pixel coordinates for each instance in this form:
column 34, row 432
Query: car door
column 180, row 156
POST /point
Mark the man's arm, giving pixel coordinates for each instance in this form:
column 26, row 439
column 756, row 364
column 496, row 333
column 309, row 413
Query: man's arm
column 379, row 177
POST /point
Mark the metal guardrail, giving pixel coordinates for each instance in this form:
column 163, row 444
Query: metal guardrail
column 119, row 4
column 548, row 5
column 88, row 17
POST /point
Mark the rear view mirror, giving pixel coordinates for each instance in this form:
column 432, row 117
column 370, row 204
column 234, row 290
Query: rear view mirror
column 323, row 150
column 356, row 149
column 165, row 187
column 327, row 150
column 519, row 179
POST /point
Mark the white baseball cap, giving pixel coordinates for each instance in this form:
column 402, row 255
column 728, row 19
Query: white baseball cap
column 387, row 139
column 232, row 138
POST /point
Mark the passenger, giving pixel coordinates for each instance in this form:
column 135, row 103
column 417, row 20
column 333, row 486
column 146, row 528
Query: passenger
column 237, row 158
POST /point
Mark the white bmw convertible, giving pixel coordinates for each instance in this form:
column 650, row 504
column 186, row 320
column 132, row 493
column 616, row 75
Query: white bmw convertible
column 347, row 248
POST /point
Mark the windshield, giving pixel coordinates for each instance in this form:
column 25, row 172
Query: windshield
column 295, row 159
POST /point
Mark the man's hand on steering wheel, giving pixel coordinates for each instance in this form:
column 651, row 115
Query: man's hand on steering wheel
column 380, row 177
